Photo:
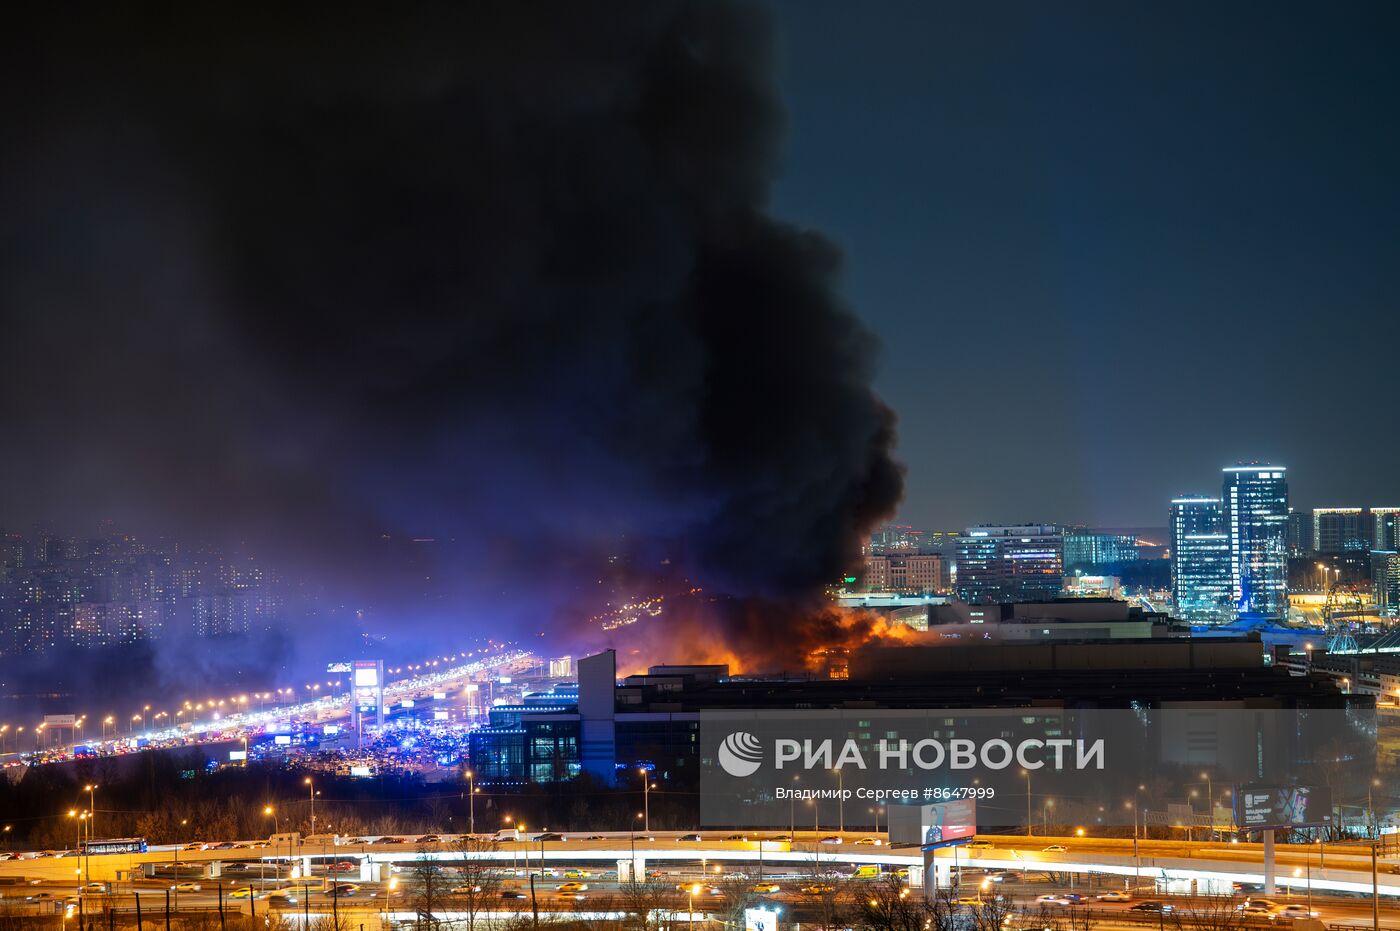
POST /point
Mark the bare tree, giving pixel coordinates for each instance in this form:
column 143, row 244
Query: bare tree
column 1209, row 913
column 427, row 887
column 643, row 901
column 480, row 882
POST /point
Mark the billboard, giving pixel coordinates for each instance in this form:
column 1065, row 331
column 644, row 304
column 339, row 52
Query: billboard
column 60, row 720
column 1265, row 807
column 940, row 824
column 337, row 667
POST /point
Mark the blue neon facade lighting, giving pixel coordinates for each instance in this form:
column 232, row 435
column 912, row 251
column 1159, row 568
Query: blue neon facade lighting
column 1255, row 499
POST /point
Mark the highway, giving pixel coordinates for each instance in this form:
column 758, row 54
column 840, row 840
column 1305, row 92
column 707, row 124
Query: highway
column 724, row 868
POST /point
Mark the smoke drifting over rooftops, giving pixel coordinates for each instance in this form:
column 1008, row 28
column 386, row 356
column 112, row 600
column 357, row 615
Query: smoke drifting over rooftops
column 495, row 273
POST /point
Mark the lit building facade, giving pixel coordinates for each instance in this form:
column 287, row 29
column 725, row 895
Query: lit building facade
column 1385, row 581
column 1084, row 549
column 1022, row 562
column 1300, row 532
column 1342, row 530
column 925, row 574
column 1255, row 499
column 1201, row 580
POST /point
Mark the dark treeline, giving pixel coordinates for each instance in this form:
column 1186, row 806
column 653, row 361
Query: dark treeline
column 172, row 796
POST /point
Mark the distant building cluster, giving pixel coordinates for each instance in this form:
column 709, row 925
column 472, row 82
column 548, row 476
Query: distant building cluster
column 1230, row 554
column 990, row 563
column 1235, row 554
column 111, row 588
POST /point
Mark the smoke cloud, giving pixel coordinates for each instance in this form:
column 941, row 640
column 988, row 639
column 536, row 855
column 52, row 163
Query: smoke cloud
column 501, row 275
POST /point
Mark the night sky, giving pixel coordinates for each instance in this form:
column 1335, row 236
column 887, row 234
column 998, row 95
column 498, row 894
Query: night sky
column 1110, row 248
column 649, row 287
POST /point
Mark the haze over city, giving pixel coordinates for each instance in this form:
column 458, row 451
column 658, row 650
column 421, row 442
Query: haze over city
column 756, row 464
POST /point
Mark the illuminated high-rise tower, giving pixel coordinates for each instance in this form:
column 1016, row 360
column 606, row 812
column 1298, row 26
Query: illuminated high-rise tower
column 1201, row 580
column 1255, row 499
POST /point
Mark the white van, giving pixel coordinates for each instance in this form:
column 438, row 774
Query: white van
column 507, row 834
column 285, row 840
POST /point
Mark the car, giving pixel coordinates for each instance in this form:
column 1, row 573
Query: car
column 869, row 842
column 766, row 888
column 392, row 840
column 194, row 845
column 242, row 892
column 577, row 874
column 831, row 839
column 1053, row 898
column 979, row 845
column 339, row 889
column 689, row 838
column 1055, row 848
column 738, row 837
column 644, row 837
column 186, row 887
column 1149, row 907
column 1297, row 910
column 572, row 887
column 547, row 835
column 281, row 897
column 595, row 837
column 95, row 887
column 1115, row 897
column 344, row 866
column 226, row 845
column 429, row 839
column 781, row 838
column 259, row 845
column 464, row 890
column 512, row 894
column 241, row 847
column 40, row 897
column 358, row 841
column 818, row 889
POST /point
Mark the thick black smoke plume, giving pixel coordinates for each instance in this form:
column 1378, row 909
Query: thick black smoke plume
column 498, row 274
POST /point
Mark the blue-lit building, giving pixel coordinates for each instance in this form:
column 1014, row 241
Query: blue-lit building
column 1202, row 590
column 1022, row 562
column 1255, row 499
column 1087, row 550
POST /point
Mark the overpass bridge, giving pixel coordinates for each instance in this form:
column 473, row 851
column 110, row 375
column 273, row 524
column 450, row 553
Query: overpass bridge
column 1206, row 867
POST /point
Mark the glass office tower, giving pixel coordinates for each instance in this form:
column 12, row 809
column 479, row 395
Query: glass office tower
column 1256, row 519
column 1201, row 585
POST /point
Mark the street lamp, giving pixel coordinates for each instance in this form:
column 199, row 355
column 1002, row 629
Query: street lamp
column 311, row 791
column 840, row 800
column 646, row 799
column 471, row 792
column 1030, row 824
column 91, row 790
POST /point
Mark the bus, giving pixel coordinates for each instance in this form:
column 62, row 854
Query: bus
column 113, row 845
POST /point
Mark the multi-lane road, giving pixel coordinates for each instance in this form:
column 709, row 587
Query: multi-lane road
column 723, row 864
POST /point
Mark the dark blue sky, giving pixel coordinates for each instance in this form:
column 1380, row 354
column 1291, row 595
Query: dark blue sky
column 1109, row 248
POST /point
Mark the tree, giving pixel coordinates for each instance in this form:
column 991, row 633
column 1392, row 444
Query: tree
column 480, row 884
column 643, row 901
column 427, row 887
column 1209, row 913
